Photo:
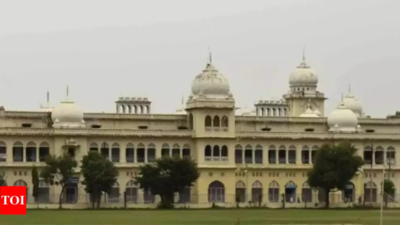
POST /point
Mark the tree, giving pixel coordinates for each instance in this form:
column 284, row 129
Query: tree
column 35, row 183
column 166, row 177
column 334, row 167
column 2, row 180
column 389, row 190
column 58, row 171
column 99, row 174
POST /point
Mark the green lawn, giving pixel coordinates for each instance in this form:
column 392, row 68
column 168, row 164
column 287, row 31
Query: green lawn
column 201, row 217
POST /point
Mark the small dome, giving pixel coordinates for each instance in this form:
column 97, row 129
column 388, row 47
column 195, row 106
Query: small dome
column 342, row 119
column 303, row 76
column 309, row 112
column 246, row 112
column 353, row 104
column 211, row 83
column 67, row 115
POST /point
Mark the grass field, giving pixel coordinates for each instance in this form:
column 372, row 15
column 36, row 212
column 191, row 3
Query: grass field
column 202, row 217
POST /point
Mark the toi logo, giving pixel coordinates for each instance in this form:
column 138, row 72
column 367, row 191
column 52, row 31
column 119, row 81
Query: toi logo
column 12, row 200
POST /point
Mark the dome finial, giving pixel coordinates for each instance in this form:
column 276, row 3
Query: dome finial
column 48, row 97
column 209, row 56
column 349, row 88
column 67, row 91
column 304, row 53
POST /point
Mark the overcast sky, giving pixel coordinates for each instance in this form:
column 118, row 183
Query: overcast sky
column 106, row 48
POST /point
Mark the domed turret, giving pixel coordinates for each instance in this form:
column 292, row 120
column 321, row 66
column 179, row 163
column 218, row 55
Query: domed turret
column 210, row 84
column 67, row 115
column 343, row 119
column 303, row 76
column 352, row 103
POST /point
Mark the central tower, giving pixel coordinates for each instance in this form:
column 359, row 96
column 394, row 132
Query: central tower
column 303, row 91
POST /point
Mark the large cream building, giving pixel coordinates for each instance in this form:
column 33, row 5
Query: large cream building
column 242, row 154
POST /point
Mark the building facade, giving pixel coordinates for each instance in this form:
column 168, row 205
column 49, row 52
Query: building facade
column 247, row 155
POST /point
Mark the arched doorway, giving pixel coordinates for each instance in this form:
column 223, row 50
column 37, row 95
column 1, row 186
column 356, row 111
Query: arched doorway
column 216, row 192
column 240, row 192
column 22, row 183
column 273, row 191
column 256, row 192
column 131, row 191
column 349, row 193
column 306, row 193
column 290, row 192
column 370, row 192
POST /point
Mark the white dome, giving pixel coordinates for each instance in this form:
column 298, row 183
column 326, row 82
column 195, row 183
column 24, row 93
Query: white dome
column 211, row 83
column 303, row 76
column 67, row 115
column 309, row 113
column 342, row 119
column 353, row 104
column 247, row 112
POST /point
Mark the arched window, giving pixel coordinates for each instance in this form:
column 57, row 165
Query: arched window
column 186, row 150
column 130, row 153
column 224, row 122
column 314, row 152
column 379, row 155
column 216, row 153
column 3, row 152
column 207, row 122
column 151, row 153
column 105, row 150
column 94, row 147
column 292, row 154
column 238, row 154
column 282, row 154
column 390, row 156
column 18, row 152
column 305, row 155
column 216, row 192
column 248, row 154
column 207, row 153
column 272, row 154
column 176, row 151
column 216, row 122
column 44, row 151
column 30, row 152
column 165, row 152
column 367, row 155
column 140, row 153
column 258, row 153
column 224, row 153
column 115, row 152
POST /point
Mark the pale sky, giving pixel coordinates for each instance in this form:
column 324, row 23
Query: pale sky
column 155, row 48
